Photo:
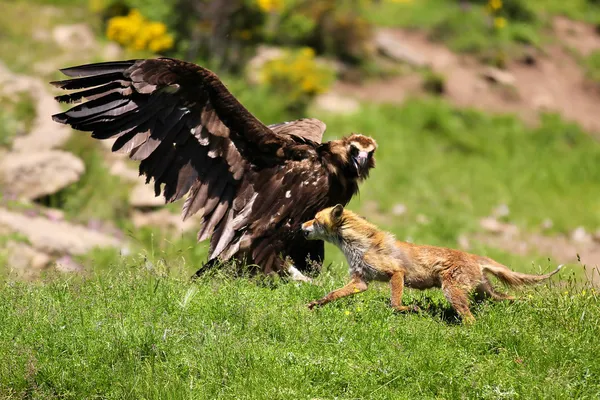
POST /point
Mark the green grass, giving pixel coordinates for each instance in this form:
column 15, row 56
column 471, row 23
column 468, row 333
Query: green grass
column 592, row 66
column 87, row 198
column 134, row 326
column 16, row 117
column 455, row 166
column 140, row 333
column 20, row 50
column 469, row 27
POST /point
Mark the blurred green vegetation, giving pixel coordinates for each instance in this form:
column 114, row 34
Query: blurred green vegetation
column 592, row 66
column 16, row 116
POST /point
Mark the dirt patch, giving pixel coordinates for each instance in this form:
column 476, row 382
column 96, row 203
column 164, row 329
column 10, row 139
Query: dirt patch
column 577, row 35
column 560, row 249
column 552, row 82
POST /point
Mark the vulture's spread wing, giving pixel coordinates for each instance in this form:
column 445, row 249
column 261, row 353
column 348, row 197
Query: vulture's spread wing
column 310, row 129
column 192, row 136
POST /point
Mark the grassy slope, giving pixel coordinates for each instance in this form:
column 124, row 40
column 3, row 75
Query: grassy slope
column 467, row 26
column 138, row 334
column 124, row 332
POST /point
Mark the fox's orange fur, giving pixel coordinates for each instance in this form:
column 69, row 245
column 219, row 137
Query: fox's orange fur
column 373, row 254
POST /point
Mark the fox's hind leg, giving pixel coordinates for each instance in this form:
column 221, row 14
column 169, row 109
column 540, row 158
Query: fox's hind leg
column 485, row 289
column 459, row 298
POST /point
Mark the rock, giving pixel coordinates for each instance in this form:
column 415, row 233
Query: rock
column 399, row 209
column 390, row 46
column 547, row 224
column 24, row 260
column 54, row 214
column 543, row 102
column 66, row 264
column 119, row 168
column 464, row 242
column 165, row 219
column 596, row 236
column 142, row 196
column 74, row 37
column 422, row 219
column 112, row 51
column 335, row 103
column 580, row 235
column 501, row 211
column 499, row 76
column 33, row 175
column 529, row 57
column 55, row 237
column 45, row 134
column 40, row 35
column 492, row 225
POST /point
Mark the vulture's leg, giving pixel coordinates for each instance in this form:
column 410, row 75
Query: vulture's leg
column 207, row 266
column 297, row 275
column 308, row 255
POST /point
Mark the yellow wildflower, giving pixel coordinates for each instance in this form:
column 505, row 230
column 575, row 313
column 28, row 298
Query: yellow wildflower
column 270, row 5
column 136, row 32
column 307, row 52
column 346, row 312
column 358, row 309
column 566, row 292
column 499, row 22
column 495, row 4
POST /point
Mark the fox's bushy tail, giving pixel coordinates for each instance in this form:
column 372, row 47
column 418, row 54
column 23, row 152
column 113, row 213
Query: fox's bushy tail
column 512, row 278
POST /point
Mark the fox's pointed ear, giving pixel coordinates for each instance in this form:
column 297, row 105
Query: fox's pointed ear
column 337, row 212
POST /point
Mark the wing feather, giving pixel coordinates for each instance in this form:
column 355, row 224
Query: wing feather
column 191, row 136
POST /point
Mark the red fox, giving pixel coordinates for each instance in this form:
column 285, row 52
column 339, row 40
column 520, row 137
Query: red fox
column 376, row 255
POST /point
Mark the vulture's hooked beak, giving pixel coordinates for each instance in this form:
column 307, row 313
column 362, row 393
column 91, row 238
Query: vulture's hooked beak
column 360, row 161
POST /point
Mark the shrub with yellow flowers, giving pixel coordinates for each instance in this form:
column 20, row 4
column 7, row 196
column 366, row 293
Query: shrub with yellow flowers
column 270, row 5
column 136, row 32
column 298, row 76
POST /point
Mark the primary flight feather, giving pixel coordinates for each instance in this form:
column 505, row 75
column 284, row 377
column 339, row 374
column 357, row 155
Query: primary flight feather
column 253, row 185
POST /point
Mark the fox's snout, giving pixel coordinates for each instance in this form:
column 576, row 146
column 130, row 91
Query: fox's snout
column 308, row 229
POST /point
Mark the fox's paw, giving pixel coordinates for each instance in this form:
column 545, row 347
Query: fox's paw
column 404, row 309
column 313, row 304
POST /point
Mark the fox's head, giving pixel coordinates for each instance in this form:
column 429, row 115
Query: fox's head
column 325, row 225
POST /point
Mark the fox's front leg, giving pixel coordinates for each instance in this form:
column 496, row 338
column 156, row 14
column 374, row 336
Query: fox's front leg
column 397, row 286
column 356, row 285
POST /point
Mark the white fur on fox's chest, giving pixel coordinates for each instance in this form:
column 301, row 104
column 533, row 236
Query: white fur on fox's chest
column 355, row 255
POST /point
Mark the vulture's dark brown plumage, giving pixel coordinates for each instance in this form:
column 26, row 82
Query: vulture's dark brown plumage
column 252, row 184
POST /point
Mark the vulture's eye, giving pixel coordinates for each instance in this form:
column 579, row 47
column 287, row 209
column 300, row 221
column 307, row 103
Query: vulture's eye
column 353, row 150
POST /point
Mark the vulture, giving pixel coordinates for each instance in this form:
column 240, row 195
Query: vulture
column 252, row 184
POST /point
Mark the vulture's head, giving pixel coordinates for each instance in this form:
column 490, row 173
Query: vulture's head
column 357, row 152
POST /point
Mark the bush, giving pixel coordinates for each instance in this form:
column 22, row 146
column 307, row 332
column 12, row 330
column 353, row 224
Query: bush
column 298, row 76
column 332, row 27
column 136, row 32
